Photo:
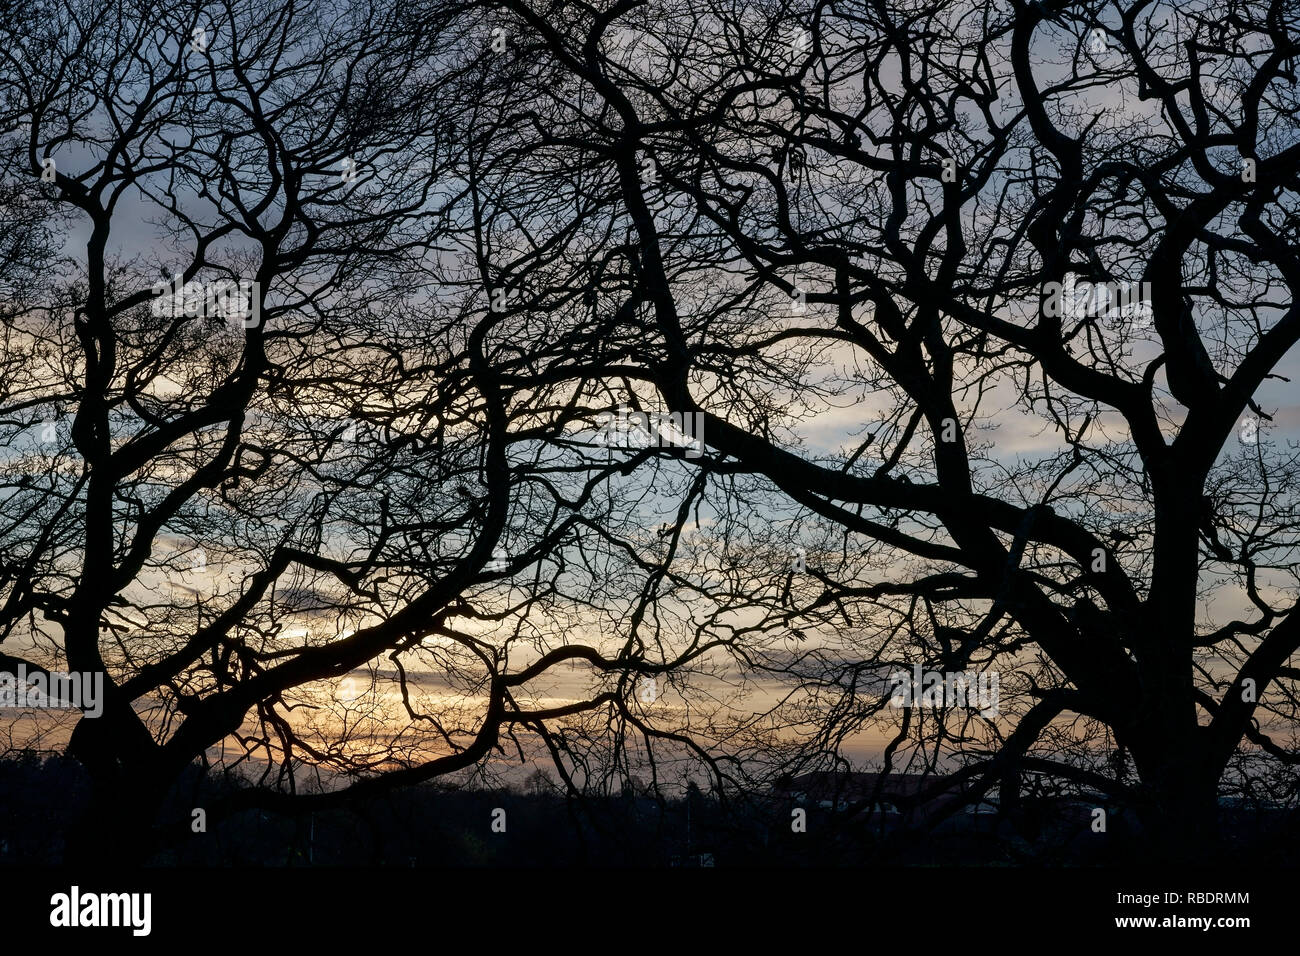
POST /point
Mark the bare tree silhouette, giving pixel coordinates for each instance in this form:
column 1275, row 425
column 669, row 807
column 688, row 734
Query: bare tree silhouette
column 263, row 421
column 1039, row 259
column 320, row 321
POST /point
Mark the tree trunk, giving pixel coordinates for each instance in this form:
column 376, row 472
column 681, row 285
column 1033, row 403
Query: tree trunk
column 127, row 786
column 1172, row 755
column 1179, row 811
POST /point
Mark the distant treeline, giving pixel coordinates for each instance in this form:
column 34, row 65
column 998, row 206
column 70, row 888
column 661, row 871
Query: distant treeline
column 437, row 825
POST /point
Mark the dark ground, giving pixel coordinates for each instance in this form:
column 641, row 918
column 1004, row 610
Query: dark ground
column 434, row 825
